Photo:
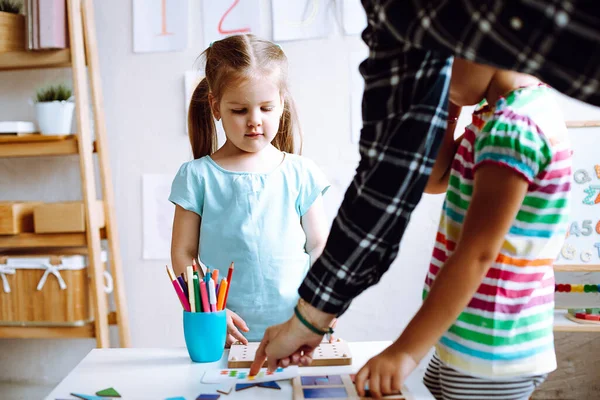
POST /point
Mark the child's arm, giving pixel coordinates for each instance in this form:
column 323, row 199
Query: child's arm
column 184, row 242
column 438, row 180
column 314, row 223
column 497, row 196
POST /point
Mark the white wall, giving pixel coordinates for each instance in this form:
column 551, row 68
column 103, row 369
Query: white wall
column 146, row 134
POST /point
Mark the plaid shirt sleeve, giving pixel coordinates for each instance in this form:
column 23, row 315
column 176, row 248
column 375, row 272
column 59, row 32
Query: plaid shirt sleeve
column 405, row 107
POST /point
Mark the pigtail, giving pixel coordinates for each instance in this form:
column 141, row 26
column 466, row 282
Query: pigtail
column 201, row 125
column 288, row 126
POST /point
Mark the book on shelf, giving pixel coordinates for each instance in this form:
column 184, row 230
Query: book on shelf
column 46, row 24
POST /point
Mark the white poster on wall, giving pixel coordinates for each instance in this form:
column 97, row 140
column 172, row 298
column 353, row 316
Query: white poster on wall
column 158, row 214
column 160, row 25
column 301, row 19
column 357, row 85
column 224, row 18
column 354, row 18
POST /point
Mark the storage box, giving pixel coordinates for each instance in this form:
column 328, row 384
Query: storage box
column 12, row 32
column 64, row 217
column 46, row 289
column 16, row 217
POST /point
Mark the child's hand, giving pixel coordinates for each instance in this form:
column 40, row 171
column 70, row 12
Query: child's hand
column 234, row 322
column 385, row 372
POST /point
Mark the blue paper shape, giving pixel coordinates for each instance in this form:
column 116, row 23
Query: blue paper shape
column 88, row 397
column 325, row 393
column 208, row 397
column 269, row 385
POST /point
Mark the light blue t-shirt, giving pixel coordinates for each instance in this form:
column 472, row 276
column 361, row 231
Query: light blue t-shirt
column 253, row 219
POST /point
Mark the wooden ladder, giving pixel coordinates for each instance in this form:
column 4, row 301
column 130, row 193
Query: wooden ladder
column 83, row 52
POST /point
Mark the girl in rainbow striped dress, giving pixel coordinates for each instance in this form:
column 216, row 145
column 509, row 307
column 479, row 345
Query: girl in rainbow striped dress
column 489, row 291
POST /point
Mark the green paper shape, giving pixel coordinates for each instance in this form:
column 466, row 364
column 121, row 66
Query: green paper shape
column 110, row 392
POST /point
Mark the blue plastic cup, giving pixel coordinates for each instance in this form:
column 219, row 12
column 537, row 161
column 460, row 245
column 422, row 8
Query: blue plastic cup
column 205, row 334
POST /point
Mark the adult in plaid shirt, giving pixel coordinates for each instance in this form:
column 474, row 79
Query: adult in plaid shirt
column 407, row 76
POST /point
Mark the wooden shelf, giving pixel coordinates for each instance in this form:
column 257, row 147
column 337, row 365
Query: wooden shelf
column 16, row 60
column 37, row 145
column 47, row 332
column 582, row 124
column 562, row 324
column 577, row 268
column 29, row 240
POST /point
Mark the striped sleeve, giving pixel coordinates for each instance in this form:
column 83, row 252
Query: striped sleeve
column 513, row 141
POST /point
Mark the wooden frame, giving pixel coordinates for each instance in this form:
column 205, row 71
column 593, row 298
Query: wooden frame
column 562, row 322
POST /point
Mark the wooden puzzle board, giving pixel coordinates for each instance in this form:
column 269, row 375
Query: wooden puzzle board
column 327, row 354
column 330, row 387
column 581, row 321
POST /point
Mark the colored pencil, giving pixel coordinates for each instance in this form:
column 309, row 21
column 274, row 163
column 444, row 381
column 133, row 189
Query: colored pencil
column 221, row 296
column 215, row 275
column 212, row 295
column 204, row 293
column 229, row 275
column 183, row 286
column 197, row 292
column 190, row 283
column 176, row 285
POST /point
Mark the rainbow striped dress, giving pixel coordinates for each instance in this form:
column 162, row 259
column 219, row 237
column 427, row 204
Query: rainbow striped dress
column 506, row 329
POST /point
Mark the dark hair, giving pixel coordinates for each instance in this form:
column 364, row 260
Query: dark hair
column 230, row 59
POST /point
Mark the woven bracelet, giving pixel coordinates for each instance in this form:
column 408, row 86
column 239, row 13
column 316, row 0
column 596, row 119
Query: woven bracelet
column 309, row 325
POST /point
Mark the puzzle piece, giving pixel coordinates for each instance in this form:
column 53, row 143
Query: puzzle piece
column 325, row 393
column 270, row 385
column 110, row 392
column 321, row 380
column 210, row 396
column 266, row 385
column 88, row 396
column 225, row 389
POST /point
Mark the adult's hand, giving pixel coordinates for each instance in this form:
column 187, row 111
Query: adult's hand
column 290, row 343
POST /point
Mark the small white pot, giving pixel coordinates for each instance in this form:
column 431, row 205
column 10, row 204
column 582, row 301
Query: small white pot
column 54, row 117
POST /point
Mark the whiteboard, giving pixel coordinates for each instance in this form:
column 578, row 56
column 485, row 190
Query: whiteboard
column 582, row 245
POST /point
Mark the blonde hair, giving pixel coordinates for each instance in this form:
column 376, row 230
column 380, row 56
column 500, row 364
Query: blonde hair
column 229, row 60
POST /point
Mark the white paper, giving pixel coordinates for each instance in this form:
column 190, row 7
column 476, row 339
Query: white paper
column 354, row 18
column 158, row 214
column 224, row 18
column 223, row 375
column 357, row 85
column 160, row 25
column 301, row 19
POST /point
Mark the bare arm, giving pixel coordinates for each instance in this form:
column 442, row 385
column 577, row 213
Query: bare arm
column 495, row 188
column 438, row 180
column 314, row 223
column 184, row 241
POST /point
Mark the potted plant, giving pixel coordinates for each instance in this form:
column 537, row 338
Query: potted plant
column 54, row 110
column 12, row 26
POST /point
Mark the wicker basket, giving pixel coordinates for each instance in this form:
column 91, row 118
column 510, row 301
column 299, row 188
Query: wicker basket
column 46, row 290
column 12, row 32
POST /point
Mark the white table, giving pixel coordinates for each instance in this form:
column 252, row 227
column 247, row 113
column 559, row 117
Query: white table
column 150, row 374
